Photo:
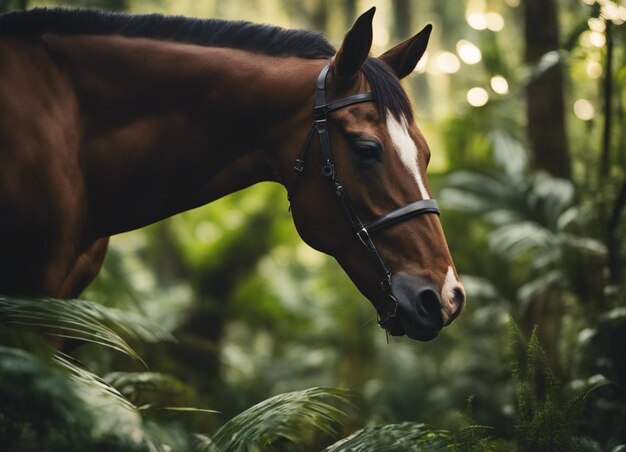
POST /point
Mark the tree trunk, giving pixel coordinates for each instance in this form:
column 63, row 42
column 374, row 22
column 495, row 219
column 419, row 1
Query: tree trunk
column 402, row 20
column 549, row 152
column 544, row 94
column 349, row 13
column 320, row 15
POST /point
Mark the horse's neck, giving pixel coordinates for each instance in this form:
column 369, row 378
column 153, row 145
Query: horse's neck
column 168, row 127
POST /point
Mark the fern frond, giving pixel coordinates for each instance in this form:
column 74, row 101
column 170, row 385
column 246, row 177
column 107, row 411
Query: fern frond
column 285, row 416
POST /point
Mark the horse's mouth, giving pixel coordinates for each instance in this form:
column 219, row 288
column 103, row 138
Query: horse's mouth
column 425, row 336
column 397, row 329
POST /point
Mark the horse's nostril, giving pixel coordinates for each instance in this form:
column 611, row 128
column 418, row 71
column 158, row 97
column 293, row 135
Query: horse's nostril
column 429, row 301
column 419, row 306
column 459, row 297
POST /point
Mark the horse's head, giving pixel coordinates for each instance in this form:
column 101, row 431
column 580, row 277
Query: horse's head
column 363, row 208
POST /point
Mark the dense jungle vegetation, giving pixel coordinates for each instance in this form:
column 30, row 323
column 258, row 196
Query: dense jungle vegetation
column 204, row 336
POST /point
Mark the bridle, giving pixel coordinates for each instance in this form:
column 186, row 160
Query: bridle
column 389, row 308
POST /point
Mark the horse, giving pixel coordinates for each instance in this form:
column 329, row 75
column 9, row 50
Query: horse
column 110, row 122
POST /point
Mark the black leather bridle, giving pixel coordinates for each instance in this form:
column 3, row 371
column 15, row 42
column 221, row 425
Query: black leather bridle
column 388, row 309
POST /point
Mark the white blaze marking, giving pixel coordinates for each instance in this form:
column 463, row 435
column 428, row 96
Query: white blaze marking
column 406, row 149
column 450, row 304
column 447, row 291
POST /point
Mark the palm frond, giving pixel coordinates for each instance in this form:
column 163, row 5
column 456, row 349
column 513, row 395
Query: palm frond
column 118, row 420
column 204, row 443
column 189, row 409
column 480, row 288
column 474, row 192
column 47, row 410
column 154, row 389
column 586, row 245
column 503, row 216
column 47, row 387
column 406, row 437
column 60, row 405
column 285, row 416
column 509, row 154
column 540, row 285
column 94, row 386
column 132, row 324
column 511, row 193
column 548, row 197
column 521, row 238
column 78, row 319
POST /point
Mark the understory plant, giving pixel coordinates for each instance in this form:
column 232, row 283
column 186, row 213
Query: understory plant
column 52, row 402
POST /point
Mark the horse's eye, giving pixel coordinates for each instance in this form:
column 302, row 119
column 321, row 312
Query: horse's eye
column 367, row 150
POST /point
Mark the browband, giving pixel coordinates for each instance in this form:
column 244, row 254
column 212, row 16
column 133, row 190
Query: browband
column 336, row 105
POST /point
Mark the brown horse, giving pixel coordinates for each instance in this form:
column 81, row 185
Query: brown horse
column 110, row 122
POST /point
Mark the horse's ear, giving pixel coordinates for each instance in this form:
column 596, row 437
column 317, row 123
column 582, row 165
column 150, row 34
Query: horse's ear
column 404, row 57
column 354, row 50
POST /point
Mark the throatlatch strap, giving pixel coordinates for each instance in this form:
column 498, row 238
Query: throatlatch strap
column 298, row 167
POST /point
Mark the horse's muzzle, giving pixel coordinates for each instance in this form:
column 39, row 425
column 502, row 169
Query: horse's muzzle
column 419, row 306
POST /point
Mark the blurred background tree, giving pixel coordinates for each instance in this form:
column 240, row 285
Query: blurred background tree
column 523, row 105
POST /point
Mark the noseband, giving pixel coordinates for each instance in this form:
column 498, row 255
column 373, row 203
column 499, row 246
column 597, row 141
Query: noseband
column 388, row 309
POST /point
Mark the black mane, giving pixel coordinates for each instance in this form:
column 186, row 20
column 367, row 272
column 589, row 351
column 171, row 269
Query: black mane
column 242, row 35
column 266, row 39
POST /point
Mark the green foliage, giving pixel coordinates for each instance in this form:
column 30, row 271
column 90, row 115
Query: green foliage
column 407, row 436
column 67, row 408
column 81, row 320
column 258, row 313
column 545, row 421
column 61, row 406
column 414, row 436
column 534, row 224
column 282, row 417
column 37, row 403
column 152, row 389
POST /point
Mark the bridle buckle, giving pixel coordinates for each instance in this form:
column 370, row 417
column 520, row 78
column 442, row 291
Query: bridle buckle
column 364, row 237
column 299, row 166
column 320, row 111
column 385, row 284
column 390, row 314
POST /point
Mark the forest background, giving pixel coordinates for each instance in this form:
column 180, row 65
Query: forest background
column 523, row 105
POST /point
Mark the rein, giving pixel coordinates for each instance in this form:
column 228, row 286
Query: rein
column 388, row 309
